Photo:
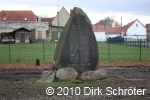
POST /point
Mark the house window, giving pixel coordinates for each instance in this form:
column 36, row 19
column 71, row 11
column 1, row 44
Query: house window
column 136, row 25
column 39, row 34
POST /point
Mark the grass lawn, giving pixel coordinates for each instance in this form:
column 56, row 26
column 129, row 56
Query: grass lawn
column 27, row 52
column 81, row 83
column 117, row 52
column 45, row 52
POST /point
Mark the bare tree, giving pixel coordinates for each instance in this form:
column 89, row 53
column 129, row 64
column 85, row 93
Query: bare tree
column 111, row 20
column 44, row 15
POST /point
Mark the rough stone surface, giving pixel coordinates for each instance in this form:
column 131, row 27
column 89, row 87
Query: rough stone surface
column 77, row 46
column 67, row 74
column 48, row 76
column 94, row 75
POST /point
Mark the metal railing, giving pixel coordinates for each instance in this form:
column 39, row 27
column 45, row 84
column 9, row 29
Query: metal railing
column 121, row 50
column 26, row 53
column 137, row 50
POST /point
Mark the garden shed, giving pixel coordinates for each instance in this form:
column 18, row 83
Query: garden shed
column 21, row 35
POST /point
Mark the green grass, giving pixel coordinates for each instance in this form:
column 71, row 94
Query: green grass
column 45, row 52
column 119, row 52
column 27, row 52
column 81, row 83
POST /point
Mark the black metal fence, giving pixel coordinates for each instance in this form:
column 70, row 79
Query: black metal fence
column 120, row 49
column 26, row 53
column 111, row 50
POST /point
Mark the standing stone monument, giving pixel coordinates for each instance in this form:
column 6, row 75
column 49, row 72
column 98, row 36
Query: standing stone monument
column 77, row 47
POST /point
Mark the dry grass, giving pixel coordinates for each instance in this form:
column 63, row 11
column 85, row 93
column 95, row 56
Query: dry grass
column 24, row 66
column 123, row 64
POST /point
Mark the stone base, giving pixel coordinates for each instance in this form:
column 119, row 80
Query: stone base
column 64, row 74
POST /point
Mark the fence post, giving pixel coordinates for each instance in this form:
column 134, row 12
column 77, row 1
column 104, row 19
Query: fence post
column 147, row 43
column 108, row 49
column 43, row 51
column 9, row 52
column 130, row 42
column 144, row 43
column 140, row 49
column 135, row 43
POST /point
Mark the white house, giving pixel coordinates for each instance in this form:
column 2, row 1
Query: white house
column 135, row 30
column 101, row 31
column 100, row 36
column 61, row 18
column 59, row 22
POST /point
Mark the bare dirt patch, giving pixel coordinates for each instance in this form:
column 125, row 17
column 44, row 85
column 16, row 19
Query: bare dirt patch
column 18, row 81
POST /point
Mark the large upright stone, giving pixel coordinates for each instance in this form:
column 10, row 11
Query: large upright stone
column 77, row 46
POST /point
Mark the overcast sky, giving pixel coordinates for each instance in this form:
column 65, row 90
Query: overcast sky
column 128, row 10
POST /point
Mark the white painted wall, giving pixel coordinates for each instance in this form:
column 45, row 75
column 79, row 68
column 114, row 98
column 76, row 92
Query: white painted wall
column 100, row 36
column 132, row 38
column 43, row 33
column 11, row 26
column 136, row 30
column 63, row 18
column 27, row 41
column 18, row 41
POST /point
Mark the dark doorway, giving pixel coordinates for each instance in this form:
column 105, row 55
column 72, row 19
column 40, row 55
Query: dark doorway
column 22, row 38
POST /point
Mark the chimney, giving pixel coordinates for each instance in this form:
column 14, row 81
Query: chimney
column 70, row 11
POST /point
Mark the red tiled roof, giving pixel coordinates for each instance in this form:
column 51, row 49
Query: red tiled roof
column 148, row 27
column 24, row 15
column 129, row 24
column 0, row 15
column 115, row 30
column 111, row 30
column 47, row 19
column 98, row 28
